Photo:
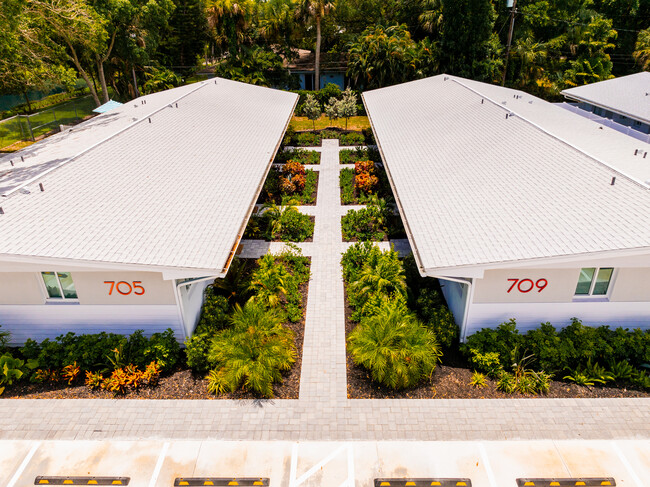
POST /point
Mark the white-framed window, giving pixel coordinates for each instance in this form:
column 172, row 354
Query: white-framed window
column 594, row 281
column 59, row 285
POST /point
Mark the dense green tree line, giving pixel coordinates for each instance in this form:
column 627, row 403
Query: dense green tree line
column 129, row 46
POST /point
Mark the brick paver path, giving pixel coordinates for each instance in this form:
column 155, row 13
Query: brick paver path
column 323, row 411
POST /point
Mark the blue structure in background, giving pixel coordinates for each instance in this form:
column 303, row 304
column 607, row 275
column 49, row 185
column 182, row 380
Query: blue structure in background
column 108, row 106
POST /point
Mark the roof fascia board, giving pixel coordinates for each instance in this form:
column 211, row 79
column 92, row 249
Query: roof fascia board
column 168, row 272
column 470, row 271
column 97, row 144
column 606, row 107
column 398, row 202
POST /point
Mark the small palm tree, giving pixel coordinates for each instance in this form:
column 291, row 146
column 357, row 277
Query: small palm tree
column 274, row 215
column 234, row 287
column 269, row 282
column 382, row 273
column 252, row 354
column 394, row 346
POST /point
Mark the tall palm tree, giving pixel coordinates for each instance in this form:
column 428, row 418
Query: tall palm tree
column 315, row 10
column 227, row 20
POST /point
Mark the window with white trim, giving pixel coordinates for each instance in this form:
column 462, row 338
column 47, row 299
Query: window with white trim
column 59, row 285
column 594, row 281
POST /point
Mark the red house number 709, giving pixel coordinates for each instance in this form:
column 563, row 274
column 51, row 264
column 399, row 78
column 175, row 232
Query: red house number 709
column 527, row 285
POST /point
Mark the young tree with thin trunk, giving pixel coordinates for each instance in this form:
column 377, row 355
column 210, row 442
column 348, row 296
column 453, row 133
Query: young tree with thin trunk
column 311, row 109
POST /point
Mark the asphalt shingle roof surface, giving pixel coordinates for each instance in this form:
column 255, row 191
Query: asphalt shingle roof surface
column 171, row 193
column 628, row 95
column 477, row 188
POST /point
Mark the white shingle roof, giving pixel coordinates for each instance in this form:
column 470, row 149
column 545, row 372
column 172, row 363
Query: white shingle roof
column 173, row 193
column 476, row 188
column 627, row 95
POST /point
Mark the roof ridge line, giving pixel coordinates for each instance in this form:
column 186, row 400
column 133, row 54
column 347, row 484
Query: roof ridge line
column 97, row 144
column 563, row 141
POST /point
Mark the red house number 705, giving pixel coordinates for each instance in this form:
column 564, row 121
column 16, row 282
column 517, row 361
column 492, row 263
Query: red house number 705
column 527, row 285
column 125, row 288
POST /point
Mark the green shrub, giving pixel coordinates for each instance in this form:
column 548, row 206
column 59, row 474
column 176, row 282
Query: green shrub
column 306, row 196
column 346, row 179
column 478, row 380
column 354, row 258
column 352, row 138
column 369, row 136
column 214, row 314
column 301, row 155
column 308, row 139
column 382, row 273
column 350, row 156
column 362, row 225
column 433, row 312
column 252, row 354
column 276, row 282
column 12, row 369
column 5, row 336
column 285, row 223
column 394, row 346
column 103, row 351
column 583, row 350
column 488, row 363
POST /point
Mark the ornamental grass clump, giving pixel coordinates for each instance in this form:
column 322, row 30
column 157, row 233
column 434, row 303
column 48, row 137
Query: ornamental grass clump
column 253, row 353
column 397, row 350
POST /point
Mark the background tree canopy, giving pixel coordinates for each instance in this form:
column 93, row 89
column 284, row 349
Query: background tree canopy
column 119, row 46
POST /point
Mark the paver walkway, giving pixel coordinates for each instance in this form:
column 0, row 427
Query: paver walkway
column 323, row 411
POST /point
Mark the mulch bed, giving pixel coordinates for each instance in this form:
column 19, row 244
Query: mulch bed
column 181, row 384
column 451, row 381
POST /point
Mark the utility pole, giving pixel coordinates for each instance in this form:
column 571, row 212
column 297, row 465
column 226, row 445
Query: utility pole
column 513, row 12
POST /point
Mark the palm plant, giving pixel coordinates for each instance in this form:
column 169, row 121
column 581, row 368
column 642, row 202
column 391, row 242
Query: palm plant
column 641, row 53
column 269, row 282
column 252, row 354
column 234, row 287
column 394, row 346
column 315, row 10
column 228, row 20
column 275, row 215
column 382, row 273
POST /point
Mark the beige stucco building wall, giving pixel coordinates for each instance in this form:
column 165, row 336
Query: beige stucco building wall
column 92, row 289
column 21, row 288
column 493, row 288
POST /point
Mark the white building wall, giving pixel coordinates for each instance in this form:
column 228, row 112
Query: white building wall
column 534, row 296
column 51, row 320
column 26, row 312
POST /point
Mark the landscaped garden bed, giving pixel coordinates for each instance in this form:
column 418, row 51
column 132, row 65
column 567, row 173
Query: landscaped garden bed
column 377, row 222
column 243, row 348
column 276, row 223
column 360, row 184
column 402, row 343
column 314, row 138
column 290, row 183
column 303, row 156
column 352, row 156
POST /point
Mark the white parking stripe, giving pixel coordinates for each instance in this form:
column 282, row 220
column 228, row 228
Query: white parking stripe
column 486, row 465
column 627, row 465
column 23, row 465
column 159, row 464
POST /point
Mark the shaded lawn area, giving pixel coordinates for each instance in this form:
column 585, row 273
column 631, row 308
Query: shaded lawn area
column 354, row 123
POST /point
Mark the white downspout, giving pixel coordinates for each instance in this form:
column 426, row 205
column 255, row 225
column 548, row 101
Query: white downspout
column 179, row 298
column 463, row 323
